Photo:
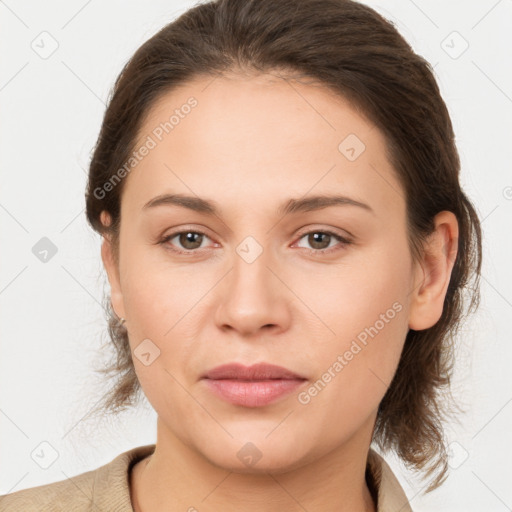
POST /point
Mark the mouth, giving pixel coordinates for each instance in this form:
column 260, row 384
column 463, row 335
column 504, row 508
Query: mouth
column 260, row 371
column 253, row 386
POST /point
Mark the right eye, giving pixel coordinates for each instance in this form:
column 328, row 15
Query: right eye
column 190, row 240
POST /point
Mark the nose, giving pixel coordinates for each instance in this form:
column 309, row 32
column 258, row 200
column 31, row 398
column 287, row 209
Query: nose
column 253, row 298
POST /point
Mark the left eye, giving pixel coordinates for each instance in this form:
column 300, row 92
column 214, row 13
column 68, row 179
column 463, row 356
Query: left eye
column 320, row 240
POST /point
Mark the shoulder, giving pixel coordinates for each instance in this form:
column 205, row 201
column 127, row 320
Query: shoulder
column 53, row 497
column 104, row 488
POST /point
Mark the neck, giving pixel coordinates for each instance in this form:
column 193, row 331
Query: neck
column 176, row 478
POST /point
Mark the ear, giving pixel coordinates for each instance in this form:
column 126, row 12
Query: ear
column 433, row 272
column 112, row 269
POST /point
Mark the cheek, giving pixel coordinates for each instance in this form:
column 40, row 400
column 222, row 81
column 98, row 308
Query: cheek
column 156, row 292
column 162, row 302
column 365, row 309
column 355, row 370
column 156, row 304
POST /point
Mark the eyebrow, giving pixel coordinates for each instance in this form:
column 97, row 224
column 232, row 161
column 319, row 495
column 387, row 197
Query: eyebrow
column 304, row 204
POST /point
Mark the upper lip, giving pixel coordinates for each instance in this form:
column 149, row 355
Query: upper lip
column 260, row 371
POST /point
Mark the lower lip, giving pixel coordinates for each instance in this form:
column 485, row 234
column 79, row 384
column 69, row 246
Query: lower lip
column 252, row 393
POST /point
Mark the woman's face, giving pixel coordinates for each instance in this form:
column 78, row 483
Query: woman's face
column 262, row 285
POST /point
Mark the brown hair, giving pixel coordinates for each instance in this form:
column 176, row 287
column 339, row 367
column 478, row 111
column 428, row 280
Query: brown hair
column 352, row 50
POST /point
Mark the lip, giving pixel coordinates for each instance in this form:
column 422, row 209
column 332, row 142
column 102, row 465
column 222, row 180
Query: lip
column 259, row 371
column 252, row 386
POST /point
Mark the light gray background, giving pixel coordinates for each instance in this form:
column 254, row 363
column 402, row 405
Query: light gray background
column 52, row 323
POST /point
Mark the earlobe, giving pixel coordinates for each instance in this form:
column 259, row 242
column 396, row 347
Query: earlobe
column 112, row 270
column 433, row 273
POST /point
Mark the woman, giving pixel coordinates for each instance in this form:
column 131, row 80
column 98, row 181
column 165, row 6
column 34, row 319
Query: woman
column 287, row 245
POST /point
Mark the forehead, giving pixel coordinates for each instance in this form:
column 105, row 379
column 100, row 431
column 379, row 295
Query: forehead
column 252, row 139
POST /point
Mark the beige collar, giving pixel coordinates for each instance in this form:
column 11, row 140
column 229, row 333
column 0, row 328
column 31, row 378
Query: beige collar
column 108, row 488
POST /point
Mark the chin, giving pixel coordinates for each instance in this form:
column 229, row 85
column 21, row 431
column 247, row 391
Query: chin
column 259, row 455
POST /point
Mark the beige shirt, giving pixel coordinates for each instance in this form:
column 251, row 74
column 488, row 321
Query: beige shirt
column 106, row 489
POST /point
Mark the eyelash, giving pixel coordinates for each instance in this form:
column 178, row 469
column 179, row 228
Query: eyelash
column 318, row 252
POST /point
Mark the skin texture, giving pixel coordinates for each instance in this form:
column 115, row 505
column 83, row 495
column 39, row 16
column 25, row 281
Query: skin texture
column 251, row 144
